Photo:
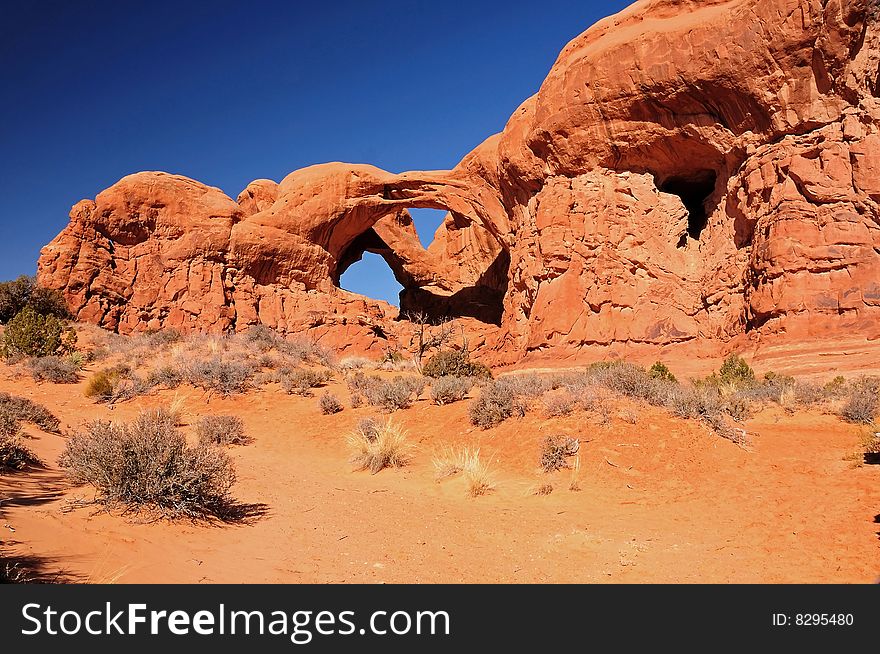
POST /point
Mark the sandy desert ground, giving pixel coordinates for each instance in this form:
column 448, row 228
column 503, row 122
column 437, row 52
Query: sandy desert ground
column 661, row 499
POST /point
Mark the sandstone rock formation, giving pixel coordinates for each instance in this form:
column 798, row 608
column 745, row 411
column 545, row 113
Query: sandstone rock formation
column 689, row 173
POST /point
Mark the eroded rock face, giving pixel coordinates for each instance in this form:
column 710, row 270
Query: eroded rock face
column 689, row 173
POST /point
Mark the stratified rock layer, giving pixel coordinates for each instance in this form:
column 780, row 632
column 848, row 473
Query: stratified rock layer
column 689, row 173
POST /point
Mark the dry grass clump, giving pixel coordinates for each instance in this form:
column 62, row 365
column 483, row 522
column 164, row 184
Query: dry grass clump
column 377, row 446
column 54, row 369
column 446, row 390
column 147, row 463
column 221, row 430
column 556, row 450
column 454, row 460
column 329, row 404
column 25, row 410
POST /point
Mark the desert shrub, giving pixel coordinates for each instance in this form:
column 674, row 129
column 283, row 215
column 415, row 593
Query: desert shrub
column 354, row 363
column 262, row 337
column 14, row 454
column 54, row 369
column 542, row 489
column 301, row 381
column 446, row 390
column 660, row 371
column 736, row 372
column 555, row 452
column 161, row 338
column 560, row 405
column 25, row 410
column 497, row 402
column 169, row 377
column 221, row 430
column 634, row 382
column 306, row 351
column 529, row 385
column 329, row 404
column 809, row 393
column 393, row 394
column 737, row 407
column 9, row 425
column 34, row 335
column 455, row 363
column 862, row 401
column 224, row 377
column 147, row 463
column 836, row 387
column 368, row 428
column 385, row 446
column 105, row 385
column 23, row 292
column 697, row 403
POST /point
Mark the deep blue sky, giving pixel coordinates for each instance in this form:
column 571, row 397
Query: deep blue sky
column 227, row 92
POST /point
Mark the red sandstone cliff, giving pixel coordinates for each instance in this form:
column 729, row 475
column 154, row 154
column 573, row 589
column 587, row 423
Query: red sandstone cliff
column 689, row 172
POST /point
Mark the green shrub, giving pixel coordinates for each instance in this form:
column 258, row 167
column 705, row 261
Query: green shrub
column 31, row 334
column 23, row 292
column 736, row 372
column 455, row 363
column 147, row 463
column 661, row 372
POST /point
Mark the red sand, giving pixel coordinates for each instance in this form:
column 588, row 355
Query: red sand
column 662, row 500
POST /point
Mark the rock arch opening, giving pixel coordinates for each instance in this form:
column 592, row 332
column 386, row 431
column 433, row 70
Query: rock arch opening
column 371, row 276
column 694, row 189
column 427, row 222
column 462, row 274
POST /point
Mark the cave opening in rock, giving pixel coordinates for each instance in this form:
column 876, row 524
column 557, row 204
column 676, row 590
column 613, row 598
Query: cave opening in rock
column 427, row 222
column 694, row 189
